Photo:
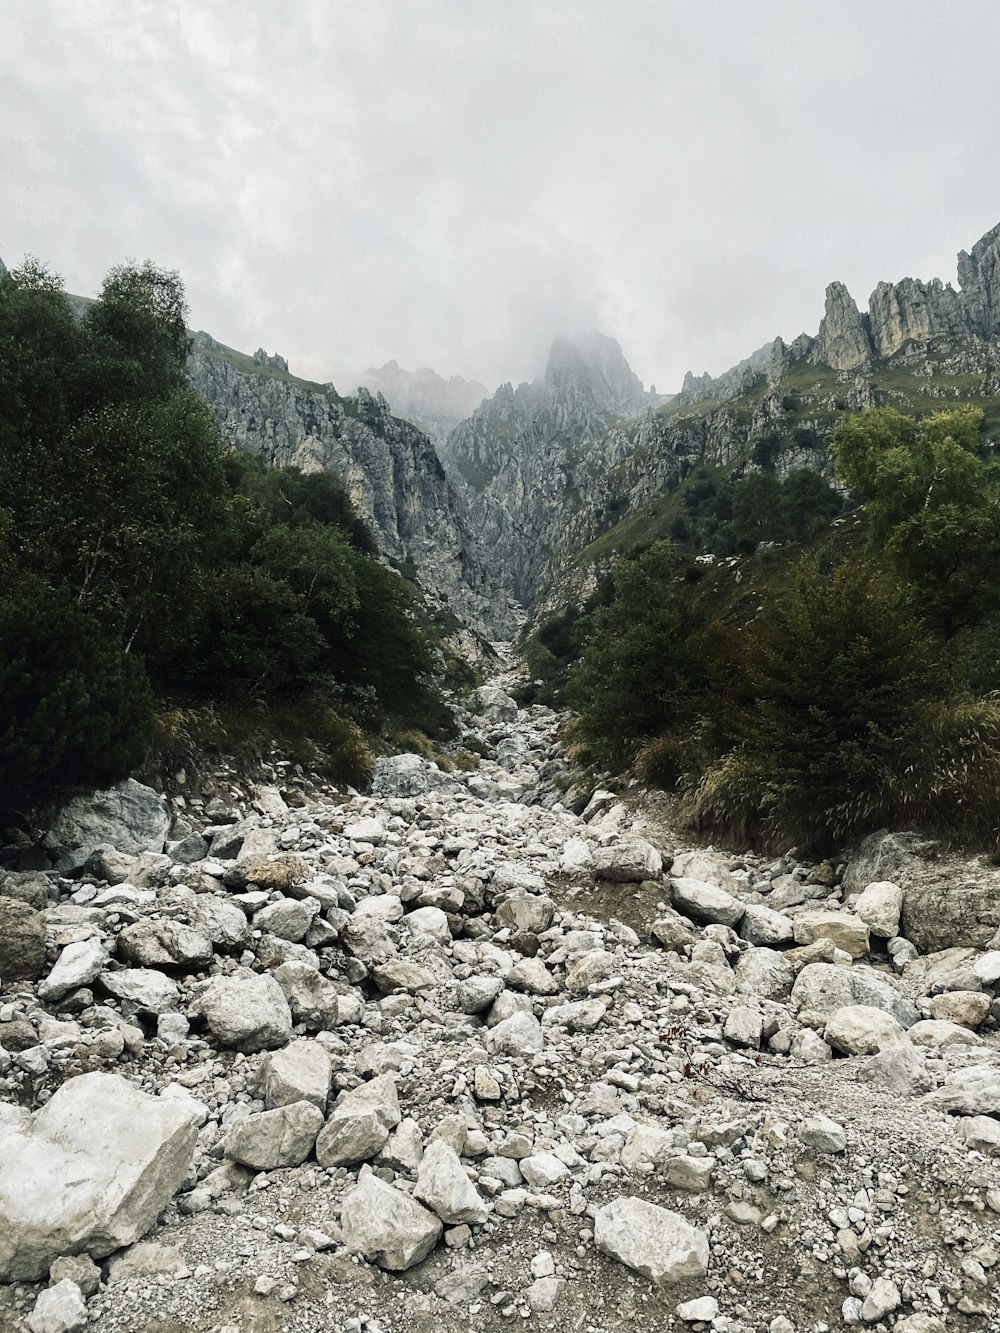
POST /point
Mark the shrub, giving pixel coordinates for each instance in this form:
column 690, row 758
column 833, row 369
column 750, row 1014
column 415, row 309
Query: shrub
column 840, row 671
column 75, row 710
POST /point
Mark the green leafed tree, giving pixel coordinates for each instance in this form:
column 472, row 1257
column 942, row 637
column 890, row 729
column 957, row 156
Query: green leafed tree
column 933, row 505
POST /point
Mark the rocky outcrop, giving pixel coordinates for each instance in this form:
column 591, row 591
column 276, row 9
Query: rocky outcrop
column 903, row 311
column 842, row 342
column 434, row 404
column 389, row 468
column 526, row 456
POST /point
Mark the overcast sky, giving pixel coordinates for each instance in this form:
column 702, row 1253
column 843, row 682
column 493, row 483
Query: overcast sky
column 452, row 182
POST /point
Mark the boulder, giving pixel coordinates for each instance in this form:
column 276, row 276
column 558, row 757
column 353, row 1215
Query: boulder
column 402, row 775
column 858, row 1029
column 966, row 1008
column 825, row 987
column 313, row 1000
column 358, row 1126
column 764, row 927
column 493, row 704
column 520, row 1034
column 705, row 902
column 130, row 817
column 822, row 1134
column 944, row 914
column 246, row 1011
column 78, row 965
column 659, row 1244
column 300, row 1072
column 627, row 862
column 59, row 1309
column 526, row 912
column 386, row 1226
column 879, row 906
column 281, row 1137
column 847, row 932
column 88, row 1173
column 972, row 1091
column 764, row 973
column 577, row 1016
column 445, row 1188
column 164, row 944
column 673, row 931
column 288, row 918
column 29, row 886
column 22, row 941
column 141, row 990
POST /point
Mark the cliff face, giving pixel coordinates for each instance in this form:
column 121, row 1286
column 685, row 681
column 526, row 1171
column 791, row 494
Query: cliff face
column 389, row 468
column 526, row 455
column 435, row 404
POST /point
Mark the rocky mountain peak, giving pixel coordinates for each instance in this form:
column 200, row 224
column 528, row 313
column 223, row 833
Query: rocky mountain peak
column 843, row 341
column 594, row 364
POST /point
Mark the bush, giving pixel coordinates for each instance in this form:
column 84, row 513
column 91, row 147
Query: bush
column 75, row 710
column 840, row 671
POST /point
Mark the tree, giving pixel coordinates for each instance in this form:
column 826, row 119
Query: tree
column 138, row 332
column 933, row 505
column 75, row 710
column 634, row 674
column 757, row 511
column 839, row 670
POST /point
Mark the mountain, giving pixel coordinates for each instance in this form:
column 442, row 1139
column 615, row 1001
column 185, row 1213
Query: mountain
column 422, row 396
column 526, row 454
column 389, row 467
column 920, row 346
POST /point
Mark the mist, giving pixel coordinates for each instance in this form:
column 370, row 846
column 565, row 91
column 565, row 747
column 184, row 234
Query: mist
column 453, row 185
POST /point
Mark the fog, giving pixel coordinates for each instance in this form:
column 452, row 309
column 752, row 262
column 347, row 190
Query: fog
column 452, row 184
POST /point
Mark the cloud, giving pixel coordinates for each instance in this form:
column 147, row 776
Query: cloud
column 453, row 184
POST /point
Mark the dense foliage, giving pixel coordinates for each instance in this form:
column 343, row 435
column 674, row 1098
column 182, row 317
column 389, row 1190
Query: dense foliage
column 825, row 686
column 140, row 562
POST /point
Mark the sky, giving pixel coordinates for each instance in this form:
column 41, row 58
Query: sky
column 451, row 183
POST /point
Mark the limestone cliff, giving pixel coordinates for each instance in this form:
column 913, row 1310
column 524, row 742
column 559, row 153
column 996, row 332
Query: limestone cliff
column 389, row 468
column 526, row 455
column 435, row 404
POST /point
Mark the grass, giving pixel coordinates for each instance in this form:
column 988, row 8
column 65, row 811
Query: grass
column 306, row 733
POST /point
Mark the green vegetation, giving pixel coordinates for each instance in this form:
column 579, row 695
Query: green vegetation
column 145, row 570
column 826, row 680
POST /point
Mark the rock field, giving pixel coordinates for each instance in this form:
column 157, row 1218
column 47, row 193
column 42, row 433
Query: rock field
column 448, row 1056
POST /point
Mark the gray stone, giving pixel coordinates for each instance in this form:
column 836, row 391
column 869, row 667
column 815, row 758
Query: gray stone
column 282, row 1137
column 764, row 973
column 763, row 927
column 629, row 861
column 526, row 912
column 847, row 932
column 387, row 1227
column 88, row 1173
column 246, row 1011
column 577, row 1016
column 164, row 944
column 22, row 941
column 822, row 1134
column 131, row 817
column 288, row 918
column 824, row 988
column 520, row 1034
column 403, row 775
column 59, row 1309
column 653, row 1241
column 705, row 902
column 78, row 965
column 358, row 1126
column 313, row 1000
column 858, row 1029
column 972, row 1091
column 879, row 906
column 141, row 989
column 299, row 1072
column 443, row 1185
